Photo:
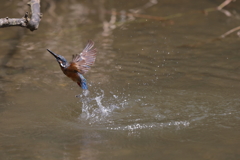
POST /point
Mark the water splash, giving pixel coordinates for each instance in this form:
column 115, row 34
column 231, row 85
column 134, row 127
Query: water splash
column 97, row 107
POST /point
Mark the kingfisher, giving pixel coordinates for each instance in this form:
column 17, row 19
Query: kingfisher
column 79, row 65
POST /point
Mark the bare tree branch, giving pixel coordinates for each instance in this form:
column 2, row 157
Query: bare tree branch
column 221, row 6
column 225, row 3
column 31, row 22
column 230, row 31
column 7, row 22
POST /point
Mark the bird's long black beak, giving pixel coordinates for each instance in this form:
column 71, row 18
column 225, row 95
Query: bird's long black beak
column 54, row 54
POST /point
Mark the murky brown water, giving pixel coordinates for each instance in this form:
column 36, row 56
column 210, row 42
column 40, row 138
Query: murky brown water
column 152, row 96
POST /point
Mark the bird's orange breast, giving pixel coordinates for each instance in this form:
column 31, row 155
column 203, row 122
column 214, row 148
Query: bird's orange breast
column 72, row 73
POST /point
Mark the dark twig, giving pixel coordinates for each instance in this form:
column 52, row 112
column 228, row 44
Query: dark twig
column 31, row 22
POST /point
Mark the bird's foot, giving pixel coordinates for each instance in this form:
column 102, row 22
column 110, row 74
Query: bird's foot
column 78, row 96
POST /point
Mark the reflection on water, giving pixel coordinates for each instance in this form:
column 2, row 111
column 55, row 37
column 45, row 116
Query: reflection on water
column 148, row 98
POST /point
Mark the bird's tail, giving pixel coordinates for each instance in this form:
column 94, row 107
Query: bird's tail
column 83, row 83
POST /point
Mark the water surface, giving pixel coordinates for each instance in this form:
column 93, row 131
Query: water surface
column 158, row 89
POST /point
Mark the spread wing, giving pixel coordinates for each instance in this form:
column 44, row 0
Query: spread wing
column 84, row 60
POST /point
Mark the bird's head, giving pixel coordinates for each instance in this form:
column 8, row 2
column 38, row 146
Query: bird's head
column 60, row 59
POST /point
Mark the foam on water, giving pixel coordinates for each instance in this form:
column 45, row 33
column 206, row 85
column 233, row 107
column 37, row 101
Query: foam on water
column 139, row 126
